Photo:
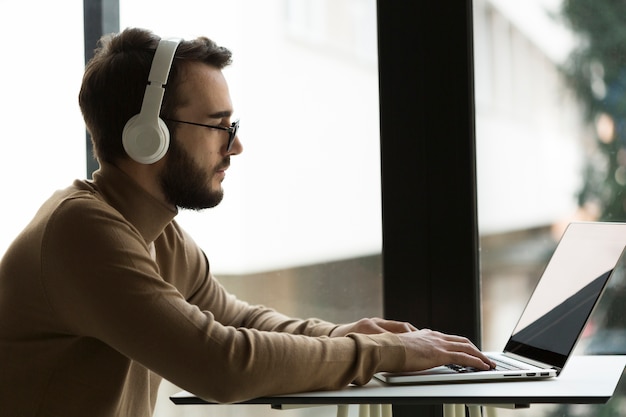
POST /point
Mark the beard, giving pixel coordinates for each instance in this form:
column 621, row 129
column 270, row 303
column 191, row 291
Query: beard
column 185, row 184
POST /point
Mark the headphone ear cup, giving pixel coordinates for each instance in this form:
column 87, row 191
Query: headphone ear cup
column 146, row 137
column 144, row 140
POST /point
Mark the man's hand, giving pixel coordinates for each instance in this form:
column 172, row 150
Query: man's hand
column 427, row 348
column 424, row 348
column 372, row 326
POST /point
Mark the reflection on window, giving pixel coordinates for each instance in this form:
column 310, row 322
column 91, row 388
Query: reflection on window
column 549, row 124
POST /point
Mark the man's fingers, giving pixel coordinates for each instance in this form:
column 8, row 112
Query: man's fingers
column 470, row 355
column 470, row 360
column 427, row 348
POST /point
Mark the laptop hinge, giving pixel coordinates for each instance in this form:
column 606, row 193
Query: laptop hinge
column 533, row 362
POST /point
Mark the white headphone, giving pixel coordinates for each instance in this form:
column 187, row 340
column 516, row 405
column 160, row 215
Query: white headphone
column 145, row 137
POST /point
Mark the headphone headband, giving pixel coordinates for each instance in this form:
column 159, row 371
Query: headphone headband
column 157, row 79
column 162, row 62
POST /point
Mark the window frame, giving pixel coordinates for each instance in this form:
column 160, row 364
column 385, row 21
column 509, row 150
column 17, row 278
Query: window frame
column 428, row 171
column 99, row 18
column 430, row 227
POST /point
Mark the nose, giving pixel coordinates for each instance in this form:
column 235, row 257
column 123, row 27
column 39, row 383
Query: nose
column 237, row 147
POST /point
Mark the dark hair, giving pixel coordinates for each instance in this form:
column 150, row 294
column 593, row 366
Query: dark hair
column 115, row 80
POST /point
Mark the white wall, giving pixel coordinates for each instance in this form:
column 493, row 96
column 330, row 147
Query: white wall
column 529, row 128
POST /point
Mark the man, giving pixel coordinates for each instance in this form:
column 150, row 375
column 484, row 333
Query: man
column 103, row 293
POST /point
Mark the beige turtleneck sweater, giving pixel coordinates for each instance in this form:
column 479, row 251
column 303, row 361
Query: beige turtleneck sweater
column 103, row 294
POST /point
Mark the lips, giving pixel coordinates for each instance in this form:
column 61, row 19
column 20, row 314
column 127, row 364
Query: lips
column 220, row 171
column 223, row 166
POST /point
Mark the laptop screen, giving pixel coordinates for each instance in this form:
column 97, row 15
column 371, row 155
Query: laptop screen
column 567, row 292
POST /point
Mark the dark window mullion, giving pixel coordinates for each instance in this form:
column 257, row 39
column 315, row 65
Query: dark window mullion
column 430, row 233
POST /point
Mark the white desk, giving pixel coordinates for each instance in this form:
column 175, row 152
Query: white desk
column 585, row 380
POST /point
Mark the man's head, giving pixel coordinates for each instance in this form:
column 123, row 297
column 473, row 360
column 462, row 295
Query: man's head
column 112, row 92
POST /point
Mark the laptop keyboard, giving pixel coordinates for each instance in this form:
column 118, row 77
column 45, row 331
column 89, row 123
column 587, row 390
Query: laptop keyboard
column 500, row 366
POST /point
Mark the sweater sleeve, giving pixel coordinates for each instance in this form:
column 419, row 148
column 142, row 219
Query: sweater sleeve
column 102, row 282
column 189, row 272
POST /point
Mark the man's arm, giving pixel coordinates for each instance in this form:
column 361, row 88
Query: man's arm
column 425, row 348
column 372, row 326
column 103, row 283
column 194, row 280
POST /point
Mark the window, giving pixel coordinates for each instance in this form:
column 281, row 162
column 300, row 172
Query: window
column 299, row 228
column 43, row 131
column 310, row 165
column 546, row 156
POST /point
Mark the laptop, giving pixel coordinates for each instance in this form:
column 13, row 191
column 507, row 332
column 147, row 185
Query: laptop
column 554, row 318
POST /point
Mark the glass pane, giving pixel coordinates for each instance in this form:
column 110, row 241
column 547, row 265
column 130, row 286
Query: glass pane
column 300, row 225
column 43, row 134
column 550, row 150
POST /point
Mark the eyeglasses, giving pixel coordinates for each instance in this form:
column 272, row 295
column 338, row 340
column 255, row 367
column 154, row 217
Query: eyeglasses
column 232, row 130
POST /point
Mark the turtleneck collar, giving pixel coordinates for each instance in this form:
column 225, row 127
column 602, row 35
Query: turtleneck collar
column 146, row 213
